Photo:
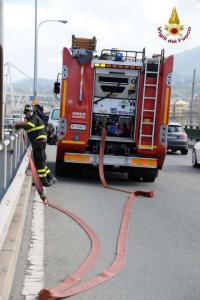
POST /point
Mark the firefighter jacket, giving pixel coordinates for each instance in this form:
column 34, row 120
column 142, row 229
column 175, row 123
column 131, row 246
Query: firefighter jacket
column 34, row 127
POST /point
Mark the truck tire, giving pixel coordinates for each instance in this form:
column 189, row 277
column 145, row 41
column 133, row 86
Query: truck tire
column 64, row 169
column 60, row 169
column 132, row 176
column 149, row 178
column 174, row 150
column 150, row 175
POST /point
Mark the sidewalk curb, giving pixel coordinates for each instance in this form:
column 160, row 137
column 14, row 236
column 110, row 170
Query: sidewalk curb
column 10, row 250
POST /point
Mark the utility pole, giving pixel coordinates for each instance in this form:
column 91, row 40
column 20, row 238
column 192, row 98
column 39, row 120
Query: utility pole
column 35, row 54
column 1, row 73
column 192, row 99
column 174, row 111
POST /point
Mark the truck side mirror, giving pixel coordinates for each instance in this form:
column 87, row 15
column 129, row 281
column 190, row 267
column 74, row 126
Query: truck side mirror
column 56, row 88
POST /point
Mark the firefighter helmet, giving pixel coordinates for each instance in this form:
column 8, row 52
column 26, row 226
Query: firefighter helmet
column 35, row 102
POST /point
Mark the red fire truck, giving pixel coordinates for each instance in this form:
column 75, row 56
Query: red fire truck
column 123, row 91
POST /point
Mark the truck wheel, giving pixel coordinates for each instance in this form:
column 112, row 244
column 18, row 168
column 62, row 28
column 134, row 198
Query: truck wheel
column 59, row 169
column 149, row 178
column 132, row 176
column 150, row 175
column 184, row 151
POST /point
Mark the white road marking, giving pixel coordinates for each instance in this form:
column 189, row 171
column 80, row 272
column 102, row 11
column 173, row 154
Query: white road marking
column 34, row 273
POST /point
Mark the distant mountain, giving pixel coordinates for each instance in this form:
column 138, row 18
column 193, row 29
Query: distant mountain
column 185, row 63
column 44, row 85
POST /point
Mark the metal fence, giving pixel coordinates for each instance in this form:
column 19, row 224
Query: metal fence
column 186, row 118
column 12, row 151
column 192, row 132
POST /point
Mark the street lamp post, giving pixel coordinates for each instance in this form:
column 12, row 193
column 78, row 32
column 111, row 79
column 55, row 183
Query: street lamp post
column 1, row 73
column 192, row 99
column 36, row 50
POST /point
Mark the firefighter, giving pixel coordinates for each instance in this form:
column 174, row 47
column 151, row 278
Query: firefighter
column 35, row 129
column 39, row 110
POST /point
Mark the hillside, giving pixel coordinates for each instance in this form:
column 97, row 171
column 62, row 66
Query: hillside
column 44, row 85
column 184, row 65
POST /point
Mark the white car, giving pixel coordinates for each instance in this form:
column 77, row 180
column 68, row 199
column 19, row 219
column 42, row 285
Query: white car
column 54, row 116
column 18, row 117
column 52, row 127
column 196, row 154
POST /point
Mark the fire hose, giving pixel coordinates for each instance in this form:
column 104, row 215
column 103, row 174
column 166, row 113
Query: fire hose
column 67, row 288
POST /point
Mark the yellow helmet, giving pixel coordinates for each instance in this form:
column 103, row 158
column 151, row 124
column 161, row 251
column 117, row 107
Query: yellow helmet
column 35, row 102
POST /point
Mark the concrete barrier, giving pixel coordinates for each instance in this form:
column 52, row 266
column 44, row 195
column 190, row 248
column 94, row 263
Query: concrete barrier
column 10, row 200
column 11, row 246
column 13, row 209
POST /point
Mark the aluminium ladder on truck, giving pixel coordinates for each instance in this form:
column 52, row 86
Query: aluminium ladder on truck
column 142, row 134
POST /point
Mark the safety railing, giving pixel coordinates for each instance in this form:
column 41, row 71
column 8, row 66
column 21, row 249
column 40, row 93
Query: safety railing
column 192, row 131
column 12, row 150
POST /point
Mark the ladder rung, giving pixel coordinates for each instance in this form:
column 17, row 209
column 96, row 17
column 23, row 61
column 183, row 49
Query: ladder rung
column 150, row 110
column 145, row 97
column 151, row 72
column 146, row 135
column 154, row 60
column 149, row 147
column 150, row 123
column 153, row 85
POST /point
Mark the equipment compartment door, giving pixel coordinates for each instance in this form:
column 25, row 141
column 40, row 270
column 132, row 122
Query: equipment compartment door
column 114, row 102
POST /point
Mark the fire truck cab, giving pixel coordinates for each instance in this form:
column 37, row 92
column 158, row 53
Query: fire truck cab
column 123, row 91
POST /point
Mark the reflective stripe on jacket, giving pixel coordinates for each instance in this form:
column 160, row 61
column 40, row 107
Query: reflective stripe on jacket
column 34, row 127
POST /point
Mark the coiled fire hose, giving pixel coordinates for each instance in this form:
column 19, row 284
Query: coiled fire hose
column 67, row 288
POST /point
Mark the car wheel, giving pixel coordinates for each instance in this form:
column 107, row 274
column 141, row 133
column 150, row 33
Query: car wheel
column 184, row 151
column 194, row 159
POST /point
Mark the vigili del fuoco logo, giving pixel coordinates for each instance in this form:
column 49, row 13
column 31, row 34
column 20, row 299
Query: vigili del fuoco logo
column 174, row 32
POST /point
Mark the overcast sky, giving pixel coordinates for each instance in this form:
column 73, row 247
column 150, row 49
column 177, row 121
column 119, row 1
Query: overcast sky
column 123, row 24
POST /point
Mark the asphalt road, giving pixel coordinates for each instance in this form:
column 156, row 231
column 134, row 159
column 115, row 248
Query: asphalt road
column 163, row 260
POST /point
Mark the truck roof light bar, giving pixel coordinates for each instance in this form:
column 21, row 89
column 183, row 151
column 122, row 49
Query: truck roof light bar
column 99, row 65
column 122, row 55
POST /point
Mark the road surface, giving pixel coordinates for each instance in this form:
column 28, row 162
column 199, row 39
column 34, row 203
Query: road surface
column 163, row 260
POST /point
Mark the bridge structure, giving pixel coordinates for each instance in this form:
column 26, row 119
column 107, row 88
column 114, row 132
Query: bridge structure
column 15, row 101
column 15, row 98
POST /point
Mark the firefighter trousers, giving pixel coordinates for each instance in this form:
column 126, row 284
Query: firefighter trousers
column 39, row 156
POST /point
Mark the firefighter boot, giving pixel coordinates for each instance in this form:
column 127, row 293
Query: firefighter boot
column 46, row 182
column 50, row 177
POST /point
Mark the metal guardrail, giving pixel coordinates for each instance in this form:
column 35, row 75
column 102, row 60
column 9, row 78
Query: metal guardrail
column 12, row 151
column 192, row 131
